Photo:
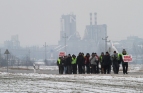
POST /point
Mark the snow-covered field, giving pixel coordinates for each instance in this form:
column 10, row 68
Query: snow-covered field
column 43, row 83
column 87, row 83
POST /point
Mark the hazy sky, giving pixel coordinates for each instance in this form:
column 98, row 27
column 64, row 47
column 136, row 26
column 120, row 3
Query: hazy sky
column 38, row 21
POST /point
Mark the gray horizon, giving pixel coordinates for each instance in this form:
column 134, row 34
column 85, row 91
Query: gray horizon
column 38, row 21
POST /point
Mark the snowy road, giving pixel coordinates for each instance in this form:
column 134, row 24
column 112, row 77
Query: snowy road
column 43, row 83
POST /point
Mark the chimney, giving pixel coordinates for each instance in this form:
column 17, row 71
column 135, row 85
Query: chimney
column 90, row 18
column 95, row 18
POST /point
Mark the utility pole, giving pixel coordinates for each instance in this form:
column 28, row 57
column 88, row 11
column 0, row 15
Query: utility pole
column 45, row 51
column 142, row 51
column 7, row 52
column 65, row 37
column 0, row 58
column 18, row 63
column 105, row 42
column 27, row 61
column 29, row 55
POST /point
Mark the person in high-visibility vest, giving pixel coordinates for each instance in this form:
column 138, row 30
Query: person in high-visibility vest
column 60, row 65
column 124, row 64
column 74, row 65
column 119, row 59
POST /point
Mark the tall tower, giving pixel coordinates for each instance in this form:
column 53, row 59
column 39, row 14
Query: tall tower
column 90, row 18
column 68, row 25
column 95, row 18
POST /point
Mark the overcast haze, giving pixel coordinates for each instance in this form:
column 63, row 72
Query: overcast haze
column 38, row 21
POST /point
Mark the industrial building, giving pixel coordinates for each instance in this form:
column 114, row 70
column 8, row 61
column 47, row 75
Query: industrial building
column 70, row 41
column 94, row 34
column 92, row 41
column 14, row 43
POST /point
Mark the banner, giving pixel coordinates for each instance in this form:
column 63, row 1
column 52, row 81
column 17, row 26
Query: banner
column 127, row 58
column 61, row 54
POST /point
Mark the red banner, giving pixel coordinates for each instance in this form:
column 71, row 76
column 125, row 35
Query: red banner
column 61, row 54
column 127, row 58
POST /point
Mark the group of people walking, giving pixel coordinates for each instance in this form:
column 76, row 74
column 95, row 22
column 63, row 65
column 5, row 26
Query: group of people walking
column 90, row 63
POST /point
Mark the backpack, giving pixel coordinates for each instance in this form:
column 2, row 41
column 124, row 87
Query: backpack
column 115, row 58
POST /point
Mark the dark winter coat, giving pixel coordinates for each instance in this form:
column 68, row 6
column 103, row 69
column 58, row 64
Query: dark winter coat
column 69, row 60
column 61, row 62
column 87, row 62
column 107, row 60
column 115, row 59
column 80, row 60
column 65, row 62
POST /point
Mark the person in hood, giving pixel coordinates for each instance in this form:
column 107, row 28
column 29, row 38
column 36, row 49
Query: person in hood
column 93, row 63
column 69, row 60
column 80, row 61
column 60, row 65
column 115, row 62
column 74, row 64
column 107, row 63
column 87, row 63
column 124, row 64
column 83, row 64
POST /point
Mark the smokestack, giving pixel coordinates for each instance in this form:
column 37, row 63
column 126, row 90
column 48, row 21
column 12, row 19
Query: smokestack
column 90, row 18
column 95, row 18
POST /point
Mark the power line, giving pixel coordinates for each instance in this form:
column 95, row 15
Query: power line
column 29, row 53
column 105, row 42
column 0, row 57
column 65, row 37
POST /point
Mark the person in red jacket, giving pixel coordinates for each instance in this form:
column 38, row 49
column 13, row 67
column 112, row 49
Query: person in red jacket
column 87, row 63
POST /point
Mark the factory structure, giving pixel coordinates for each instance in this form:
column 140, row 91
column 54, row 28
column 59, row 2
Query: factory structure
column 70, row 41
column 14, row 43
column 93, row 40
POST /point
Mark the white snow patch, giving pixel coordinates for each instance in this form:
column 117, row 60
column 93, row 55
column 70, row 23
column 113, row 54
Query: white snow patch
column 44, row 83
